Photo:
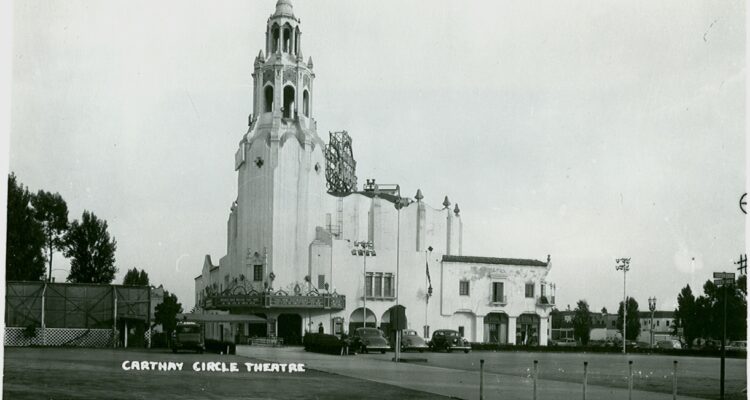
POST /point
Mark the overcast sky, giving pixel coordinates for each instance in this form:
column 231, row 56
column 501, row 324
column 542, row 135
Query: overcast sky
column 588, row 130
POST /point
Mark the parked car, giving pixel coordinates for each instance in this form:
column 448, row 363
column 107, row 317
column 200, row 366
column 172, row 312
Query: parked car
column 669, row 344
column 565, row 342
column 188, row 336
column 410, row 340
column 738, row 345
column 448, row 340
column 369, row 339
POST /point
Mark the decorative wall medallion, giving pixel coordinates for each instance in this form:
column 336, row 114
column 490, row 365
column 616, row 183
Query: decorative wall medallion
column 267, row 76
column 289, row 75
column 259, row 162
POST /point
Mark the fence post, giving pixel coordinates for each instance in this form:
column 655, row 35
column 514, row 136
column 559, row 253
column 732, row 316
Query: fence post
column 536, row 365
column 585, row 377
column 630, row 380
column 481, row 379
column 674, row 380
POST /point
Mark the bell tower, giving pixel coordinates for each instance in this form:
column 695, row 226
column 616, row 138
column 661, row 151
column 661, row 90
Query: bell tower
column 280, row 164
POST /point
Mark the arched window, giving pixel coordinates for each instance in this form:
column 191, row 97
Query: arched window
column 287, row 40
column 269, row 99
column 306, row 103
column 275, row 39
column 289, row 101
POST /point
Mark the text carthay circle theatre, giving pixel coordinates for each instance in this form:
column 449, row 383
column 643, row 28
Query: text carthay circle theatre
column 295, row 254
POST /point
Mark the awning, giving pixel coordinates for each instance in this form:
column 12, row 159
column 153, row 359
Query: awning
column 221, row 318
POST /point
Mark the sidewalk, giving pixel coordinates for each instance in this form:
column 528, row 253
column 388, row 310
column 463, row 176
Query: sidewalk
column 448, row 382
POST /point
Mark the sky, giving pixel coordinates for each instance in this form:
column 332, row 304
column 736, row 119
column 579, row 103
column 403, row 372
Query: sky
column 587, row 130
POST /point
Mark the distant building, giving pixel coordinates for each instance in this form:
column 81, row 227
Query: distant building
column 604, row 326
column 291, row 257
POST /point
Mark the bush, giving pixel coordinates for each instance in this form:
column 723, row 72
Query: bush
column 215, row 346
column 322, row 343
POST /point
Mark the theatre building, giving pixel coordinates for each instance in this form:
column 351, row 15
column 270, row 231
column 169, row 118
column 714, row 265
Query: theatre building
column 309, row 249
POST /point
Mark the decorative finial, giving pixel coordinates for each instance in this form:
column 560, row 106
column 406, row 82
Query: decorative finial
column 419, row 196
column 260, row 55
column 456, row 210
column 309, row 63
column 446, row 202
column 549, row 258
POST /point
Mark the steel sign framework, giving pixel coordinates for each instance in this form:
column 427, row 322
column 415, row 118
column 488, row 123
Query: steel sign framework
column 341, row 167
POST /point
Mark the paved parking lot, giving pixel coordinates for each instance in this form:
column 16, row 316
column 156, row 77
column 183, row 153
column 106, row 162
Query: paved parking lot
column 508, row 374
column 55, row 373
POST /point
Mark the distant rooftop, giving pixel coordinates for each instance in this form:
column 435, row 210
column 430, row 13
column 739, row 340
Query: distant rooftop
column 493, row 260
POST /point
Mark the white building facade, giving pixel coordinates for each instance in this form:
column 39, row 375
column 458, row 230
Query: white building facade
column 291, row 254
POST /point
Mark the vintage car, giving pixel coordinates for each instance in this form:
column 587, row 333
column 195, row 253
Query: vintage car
column 448, row 340
column 411, row 341
column 737, row 345
column 369, row 339
column 564, row 342
column 669, row 344
column 188, row 336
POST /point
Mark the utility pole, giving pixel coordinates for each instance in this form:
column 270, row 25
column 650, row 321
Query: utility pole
column 724, row 280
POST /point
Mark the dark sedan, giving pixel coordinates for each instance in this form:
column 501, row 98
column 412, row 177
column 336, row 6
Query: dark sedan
column 448, row 340
column 369, row 339
column 411, row 341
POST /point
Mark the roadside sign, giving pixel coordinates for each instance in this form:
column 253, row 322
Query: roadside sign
column 723, row 278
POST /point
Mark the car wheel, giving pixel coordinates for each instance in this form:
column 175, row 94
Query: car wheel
column 420, row 350
column 466, row 351
column 382, row 351
column 174, row 350
column 448, row 349
column 364, row 350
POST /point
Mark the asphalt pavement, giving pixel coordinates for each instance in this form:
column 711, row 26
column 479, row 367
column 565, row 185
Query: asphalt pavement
column 459, row 383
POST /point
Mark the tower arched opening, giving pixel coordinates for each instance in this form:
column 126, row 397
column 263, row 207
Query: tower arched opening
column 275, row 38
column 287, row 40
column 288, row 101
column 306, row 103
column 268, row 97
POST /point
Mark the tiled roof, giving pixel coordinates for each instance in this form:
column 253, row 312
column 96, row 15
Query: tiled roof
column 493, row 260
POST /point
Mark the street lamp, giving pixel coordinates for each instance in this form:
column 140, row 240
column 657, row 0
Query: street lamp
column 624, row 265
column 652, row 308
column 364, row 249
column 401, row 202
column 428, row 285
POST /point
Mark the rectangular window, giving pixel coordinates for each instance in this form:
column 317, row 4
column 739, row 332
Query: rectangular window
column 321, row 281
column 542, row 290
column 463, row 288
column 388, row 285
column 257, row 273
column 426, row 331
column 529, row 290
column 379, row 285
column 497, row 292
column 657, row 322
column 368, row 285
column 461, row 331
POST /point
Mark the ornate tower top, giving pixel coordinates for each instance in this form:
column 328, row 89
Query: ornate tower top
column 284, row 7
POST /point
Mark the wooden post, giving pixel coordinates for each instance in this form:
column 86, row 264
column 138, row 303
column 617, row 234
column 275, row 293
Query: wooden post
column 585, row 377
column 536, row 365
column 481, row 379
column 630, row 380
column 674, row 380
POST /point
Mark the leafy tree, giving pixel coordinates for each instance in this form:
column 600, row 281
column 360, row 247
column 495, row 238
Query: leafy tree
column 582, row 322
column 52, row 213
column 634, row 321
column 91, row 251
column 136, row 278
column 24, row 258
column 736, row 310
column 604, row 310
column 686, row 316
column 166, row 313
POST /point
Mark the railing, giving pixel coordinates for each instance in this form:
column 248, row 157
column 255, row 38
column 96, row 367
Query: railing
column 545, row 301
column 499, row 300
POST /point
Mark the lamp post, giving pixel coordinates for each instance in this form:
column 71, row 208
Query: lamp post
column 652, row 308
column 364, row 249
column 428, row 286
column 623, row 264
column 400, row 203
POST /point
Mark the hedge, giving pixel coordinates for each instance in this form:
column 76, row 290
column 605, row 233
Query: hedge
column 610, row 349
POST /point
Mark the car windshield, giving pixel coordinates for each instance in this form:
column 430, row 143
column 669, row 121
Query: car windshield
column 410, row 333
column 368, row 332
column 449, row 333
column 188, row 329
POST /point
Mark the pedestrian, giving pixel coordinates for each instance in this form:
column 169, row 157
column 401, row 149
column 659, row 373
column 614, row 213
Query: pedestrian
column 320, row 327
column 344, row 344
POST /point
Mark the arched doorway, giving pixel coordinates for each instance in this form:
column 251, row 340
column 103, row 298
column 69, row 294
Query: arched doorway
column 388, row 323
column 290, row 328
column 527, row 330
column 355, row 320
column 496, row 328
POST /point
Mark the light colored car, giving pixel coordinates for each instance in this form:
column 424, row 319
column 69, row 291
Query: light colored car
column 410, row 340
column 566, row 342
column 669, row 344
column 740, row 345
